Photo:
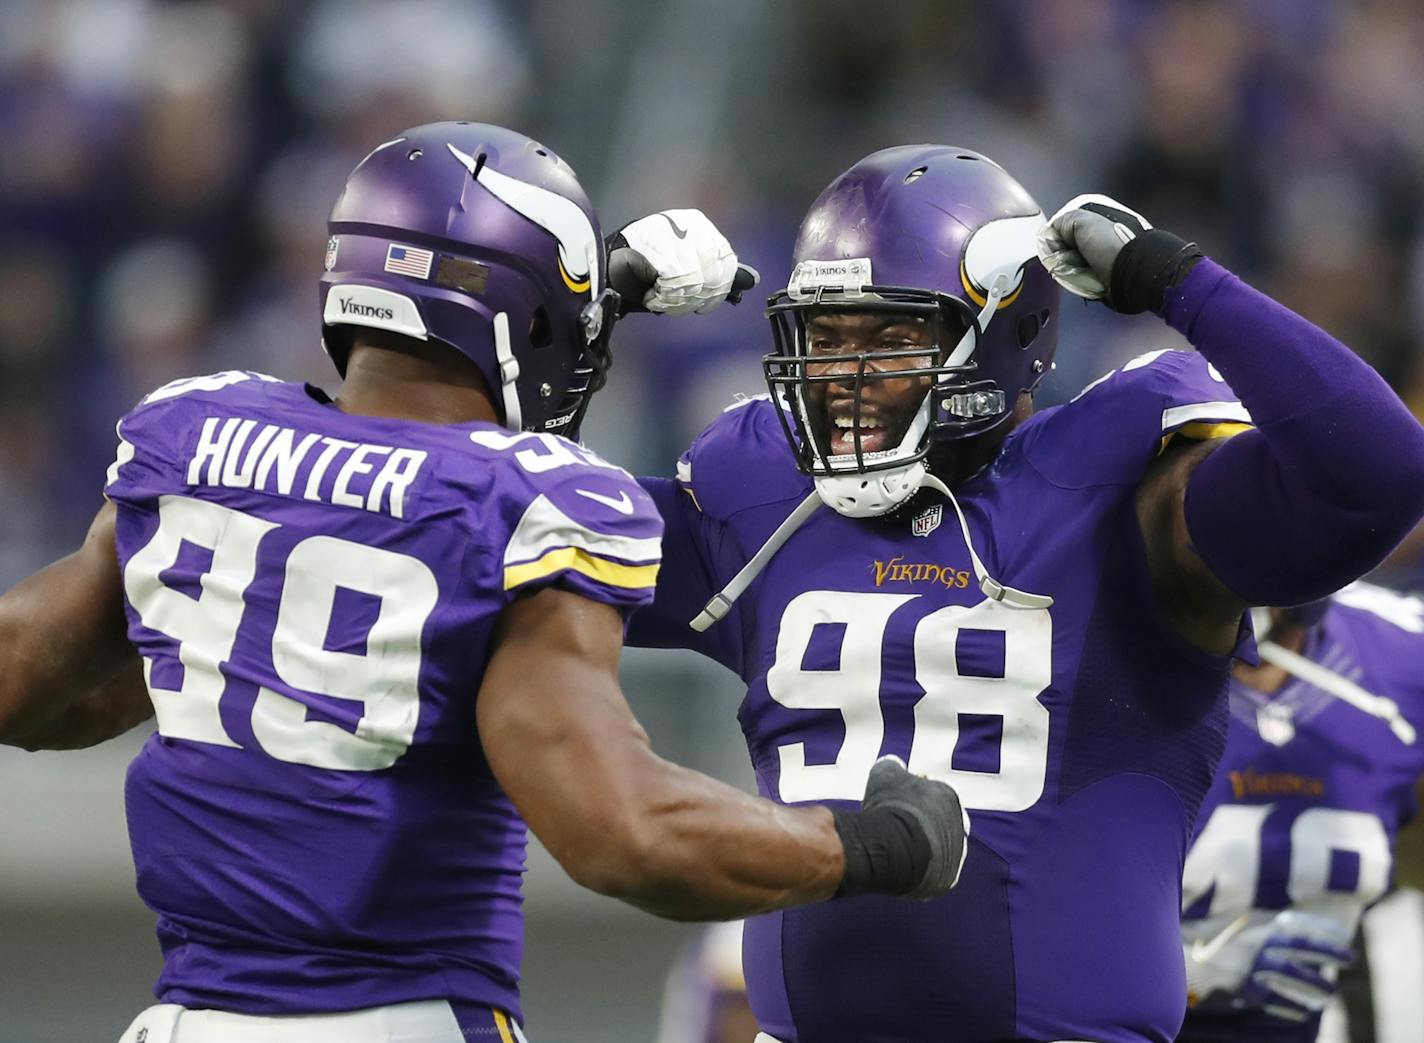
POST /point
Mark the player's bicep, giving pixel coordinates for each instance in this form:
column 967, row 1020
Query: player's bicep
column 62, row 633
column 555, row 727
column 1199, row 605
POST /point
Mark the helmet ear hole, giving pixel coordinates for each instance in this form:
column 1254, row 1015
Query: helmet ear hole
column 1028, row 329
column 541, row 331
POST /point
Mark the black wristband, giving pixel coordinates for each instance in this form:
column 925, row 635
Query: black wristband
column 1147, row 267
column 886, row 851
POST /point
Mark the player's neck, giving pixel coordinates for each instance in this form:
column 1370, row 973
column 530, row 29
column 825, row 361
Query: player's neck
column 413, row 383
column 1268, row 678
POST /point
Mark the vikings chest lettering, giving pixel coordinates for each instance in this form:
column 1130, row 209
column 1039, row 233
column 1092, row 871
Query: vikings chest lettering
column 242, row 454
column 1300, row 824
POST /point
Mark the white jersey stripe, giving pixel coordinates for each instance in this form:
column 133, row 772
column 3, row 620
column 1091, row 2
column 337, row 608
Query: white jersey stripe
column 1175, row 416
column 545, row 528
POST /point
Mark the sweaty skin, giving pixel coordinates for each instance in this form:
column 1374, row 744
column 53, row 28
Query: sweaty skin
column 68, row 676
column 887, row 405
column 556, row 728
column 620, row 819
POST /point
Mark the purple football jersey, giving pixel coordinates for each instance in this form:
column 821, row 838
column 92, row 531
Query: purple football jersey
column 1080, row 737
column 1308, row 801
column 314, row 594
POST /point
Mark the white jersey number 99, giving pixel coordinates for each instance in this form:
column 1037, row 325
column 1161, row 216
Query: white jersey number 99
column 384, row 680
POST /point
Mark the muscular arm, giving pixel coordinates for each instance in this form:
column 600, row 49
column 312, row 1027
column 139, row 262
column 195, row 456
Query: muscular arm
column 1328, row 482
column 622, row 821
column 68, row 675
column 1330, row 479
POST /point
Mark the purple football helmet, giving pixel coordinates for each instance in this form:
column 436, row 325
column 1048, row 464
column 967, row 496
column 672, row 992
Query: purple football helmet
column 936, row 232
column 481, row 239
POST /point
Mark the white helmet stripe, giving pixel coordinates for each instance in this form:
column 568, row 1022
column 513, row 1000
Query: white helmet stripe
column 558, row 215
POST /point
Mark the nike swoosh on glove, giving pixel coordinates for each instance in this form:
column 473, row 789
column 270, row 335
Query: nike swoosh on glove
column 1295, row 972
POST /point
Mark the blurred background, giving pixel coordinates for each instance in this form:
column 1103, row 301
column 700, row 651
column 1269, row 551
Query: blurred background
column 165, row 173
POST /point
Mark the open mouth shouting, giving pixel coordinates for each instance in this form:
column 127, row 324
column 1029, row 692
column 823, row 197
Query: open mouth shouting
column 870, row 431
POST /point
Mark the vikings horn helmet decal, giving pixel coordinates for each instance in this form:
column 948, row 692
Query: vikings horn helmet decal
column 562, row 218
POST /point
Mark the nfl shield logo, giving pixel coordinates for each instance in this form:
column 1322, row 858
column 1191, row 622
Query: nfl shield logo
column 927, row 521
column 331, row 253
column 1274, row 723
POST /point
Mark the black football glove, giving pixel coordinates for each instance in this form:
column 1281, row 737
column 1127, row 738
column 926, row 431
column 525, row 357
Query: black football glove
column 908, row 839
column 1099, row 249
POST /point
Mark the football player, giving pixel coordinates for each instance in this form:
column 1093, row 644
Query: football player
column 899, row 557
column 705, row 999
column 381, row 632
column 1297, row 833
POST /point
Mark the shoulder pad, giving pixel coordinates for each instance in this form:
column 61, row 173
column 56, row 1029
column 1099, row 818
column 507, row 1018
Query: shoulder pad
column 210, row 383
column 1404, row 611
column 1113, row 429
column 741, row 460
column 570, row 518
column 152, row 436
column 1386, row 631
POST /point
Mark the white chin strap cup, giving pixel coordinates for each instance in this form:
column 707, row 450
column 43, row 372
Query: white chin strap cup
column 871, row 494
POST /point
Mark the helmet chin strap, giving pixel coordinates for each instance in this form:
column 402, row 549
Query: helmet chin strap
column 1328, row 681
column 992, row 588
column 723, row 600
column 508, row 373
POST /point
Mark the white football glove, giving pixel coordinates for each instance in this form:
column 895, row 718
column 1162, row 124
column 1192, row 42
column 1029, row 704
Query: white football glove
column 1296, row 971
column 1285, row 964
column 690, row 262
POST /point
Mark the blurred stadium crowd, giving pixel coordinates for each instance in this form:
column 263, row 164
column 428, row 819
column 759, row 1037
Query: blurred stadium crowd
column 166, row 169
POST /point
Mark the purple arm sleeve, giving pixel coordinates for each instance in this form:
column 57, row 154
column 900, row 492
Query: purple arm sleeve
column 1332, row 477
column 685, row 582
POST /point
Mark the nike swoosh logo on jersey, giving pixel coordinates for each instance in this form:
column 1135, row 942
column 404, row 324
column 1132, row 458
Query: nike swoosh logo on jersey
column 623, row 504
column 681, row 233
column 1202, row 951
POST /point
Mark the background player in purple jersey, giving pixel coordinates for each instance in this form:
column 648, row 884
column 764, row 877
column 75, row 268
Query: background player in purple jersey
column 705, row 998
column 381, row 632
column 1297, row 834
column 1040, row 609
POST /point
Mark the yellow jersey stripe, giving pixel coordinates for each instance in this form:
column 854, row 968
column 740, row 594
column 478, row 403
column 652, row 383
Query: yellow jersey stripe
column 1205, row 432
column 502, row 1023
column 610, row 573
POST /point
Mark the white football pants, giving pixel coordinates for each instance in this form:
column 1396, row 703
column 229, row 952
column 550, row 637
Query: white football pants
column 427, row 1021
